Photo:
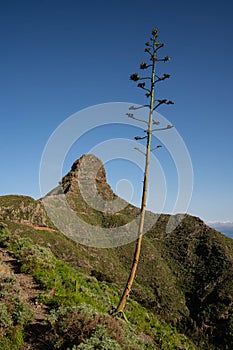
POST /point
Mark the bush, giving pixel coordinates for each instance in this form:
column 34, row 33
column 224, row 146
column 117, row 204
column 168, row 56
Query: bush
column 33, row 256
column 4, row 235
column 74, row 325
column 81, row 327
column 100, row 339
column 14, row 314
column 5, row 320
column 13, row 310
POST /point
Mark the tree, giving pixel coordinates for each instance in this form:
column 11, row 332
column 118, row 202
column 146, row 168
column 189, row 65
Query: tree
column 151, row 49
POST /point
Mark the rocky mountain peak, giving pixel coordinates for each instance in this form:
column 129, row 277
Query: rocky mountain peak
column 87, row 171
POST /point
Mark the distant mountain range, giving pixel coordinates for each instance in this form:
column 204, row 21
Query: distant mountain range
column 223, row 227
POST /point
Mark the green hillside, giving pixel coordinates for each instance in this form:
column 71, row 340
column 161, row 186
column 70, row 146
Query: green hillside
column 181, row 299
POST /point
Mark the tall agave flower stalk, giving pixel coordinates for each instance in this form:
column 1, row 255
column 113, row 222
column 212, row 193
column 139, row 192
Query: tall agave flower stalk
column 146, row 83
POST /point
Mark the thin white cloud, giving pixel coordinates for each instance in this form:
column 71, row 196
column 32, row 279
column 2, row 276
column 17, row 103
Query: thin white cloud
column 222, row 226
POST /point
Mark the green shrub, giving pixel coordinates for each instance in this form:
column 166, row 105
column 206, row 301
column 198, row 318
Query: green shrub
column 33, row 256
column 100, row 339
column 73, row 325
column 5, row 320
column 14, row 314
column 4, row 235
column 11, row 304
column 82, row 327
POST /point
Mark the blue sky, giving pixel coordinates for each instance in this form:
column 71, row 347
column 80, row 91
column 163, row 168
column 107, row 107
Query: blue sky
column 58, row 57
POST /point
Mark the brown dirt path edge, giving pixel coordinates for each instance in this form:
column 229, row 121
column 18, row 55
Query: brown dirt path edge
column 29, row 291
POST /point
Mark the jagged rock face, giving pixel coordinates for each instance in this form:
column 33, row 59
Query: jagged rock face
column 88, row 166
column 87, row 172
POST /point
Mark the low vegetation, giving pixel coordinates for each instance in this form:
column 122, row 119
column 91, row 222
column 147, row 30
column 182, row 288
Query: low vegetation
column 182, row 296
column 79, row 307
column 14, row 313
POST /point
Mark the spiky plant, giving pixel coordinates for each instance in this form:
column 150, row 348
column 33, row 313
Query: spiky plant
column 146, row 83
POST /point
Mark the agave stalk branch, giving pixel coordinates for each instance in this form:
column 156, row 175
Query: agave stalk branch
column 130, row 115
column 134, row 108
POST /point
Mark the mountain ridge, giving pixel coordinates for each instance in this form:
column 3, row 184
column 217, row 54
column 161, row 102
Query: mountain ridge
column 184, row 276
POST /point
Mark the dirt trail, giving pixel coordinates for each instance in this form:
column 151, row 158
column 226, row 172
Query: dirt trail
column 29, row 291
column 43, row 228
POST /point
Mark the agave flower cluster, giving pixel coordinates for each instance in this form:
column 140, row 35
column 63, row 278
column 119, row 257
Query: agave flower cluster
column 151, row 49
column 147, row 82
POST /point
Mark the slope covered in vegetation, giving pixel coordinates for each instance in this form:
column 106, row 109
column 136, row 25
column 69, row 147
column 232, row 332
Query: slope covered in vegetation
column 183, row 286
column 78, row 305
